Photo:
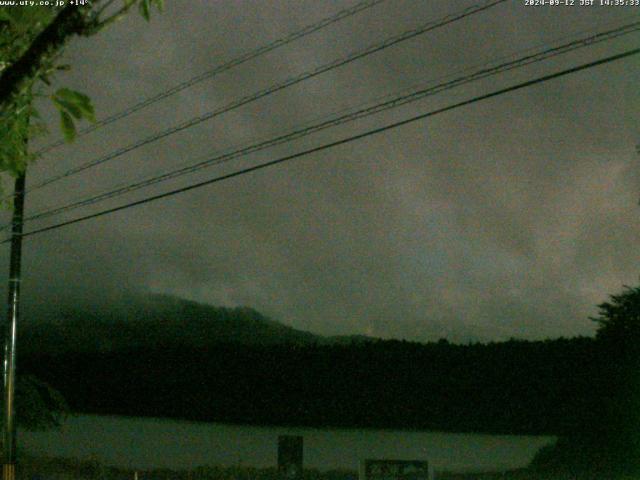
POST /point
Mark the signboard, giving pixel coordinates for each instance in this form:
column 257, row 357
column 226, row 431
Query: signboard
column 290, row 457
column 395, row 470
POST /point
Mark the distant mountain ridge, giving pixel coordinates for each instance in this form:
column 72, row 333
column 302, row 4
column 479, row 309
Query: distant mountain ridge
column 156, row 320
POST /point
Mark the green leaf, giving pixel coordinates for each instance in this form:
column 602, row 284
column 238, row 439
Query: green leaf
column 144, row 9
column 68, row 127
column 78, row 104
column 73, row 109
column 159, row 4
column 72, row 96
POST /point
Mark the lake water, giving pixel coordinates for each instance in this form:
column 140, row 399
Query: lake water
column 160, row 443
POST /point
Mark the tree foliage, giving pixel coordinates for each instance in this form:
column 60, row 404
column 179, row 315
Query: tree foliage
column 619, row 338
column 608, row 445
column 619, row 319
column 32, row 40
column 40, row 405
column 18, row 28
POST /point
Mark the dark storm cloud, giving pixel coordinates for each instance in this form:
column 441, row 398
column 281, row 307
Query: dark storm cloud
column 511, row 217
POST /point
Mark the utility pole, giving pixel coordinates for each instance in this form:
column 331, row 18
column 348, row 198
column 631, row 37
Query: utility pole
column 9, row 365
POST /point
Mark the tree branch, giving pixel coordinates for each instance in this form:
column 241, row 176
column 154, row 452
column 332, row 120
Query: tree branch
column 72, row 20
column 114, row 17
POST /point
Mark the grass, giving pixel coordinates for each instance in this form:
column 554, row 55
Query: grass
column 45, row 468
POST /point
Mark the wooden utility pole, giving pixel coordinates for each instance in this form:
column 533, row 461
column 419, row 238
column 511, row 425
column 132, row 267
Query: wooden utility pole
column 9, row 364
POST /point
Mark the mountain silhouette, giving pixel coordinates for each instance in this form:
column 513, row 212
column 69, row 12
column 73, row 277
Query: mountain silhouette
column 153, row 320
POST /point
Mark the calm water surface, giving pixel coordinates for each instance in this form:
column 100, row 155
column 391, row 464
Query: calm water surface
column 161, row 443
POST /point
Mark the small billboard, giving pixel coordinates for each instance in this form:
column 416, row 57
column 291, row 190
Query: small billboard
column 385, row 469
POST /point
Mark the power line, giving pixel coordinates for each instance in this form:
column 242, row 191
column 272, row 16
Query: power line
column 354, row 115
column 274, row 88
column 277, row 87
column 380, row 98
column 336, row 143
column 309, row 29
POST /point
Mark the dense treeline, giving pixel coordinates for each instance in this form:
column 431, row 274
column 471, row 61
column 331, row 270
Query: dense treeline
column 509, row 387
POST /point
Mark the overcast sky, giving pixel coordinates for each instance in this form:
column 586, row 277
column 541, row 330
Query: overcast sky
column 510, row 217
